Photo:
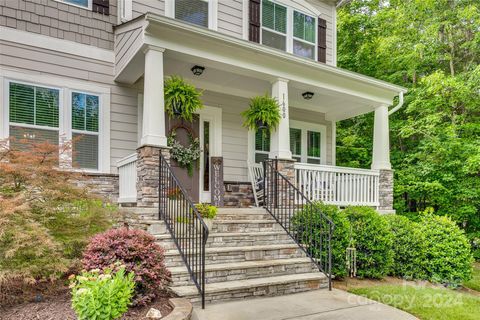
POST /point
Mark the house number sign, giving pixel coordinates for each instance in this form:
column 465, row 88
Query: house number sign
column 284, row 109
column 217, row 181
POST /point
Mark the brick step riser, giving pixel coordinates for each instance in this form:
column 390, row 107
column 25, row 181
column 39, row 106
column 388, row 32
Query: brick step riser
column 228, row 257
column 244, row 274
column 262, row 291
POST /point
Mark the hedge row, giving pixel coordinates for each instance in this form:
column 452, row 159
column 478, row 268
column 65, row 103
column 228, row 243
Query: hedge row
column 434, row 248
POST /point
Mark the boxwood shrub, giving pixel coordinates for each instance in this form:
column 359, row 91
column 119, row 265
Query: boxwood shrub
column 310, row 216
column 408, row 247
column 448, row 257
column 373, row 241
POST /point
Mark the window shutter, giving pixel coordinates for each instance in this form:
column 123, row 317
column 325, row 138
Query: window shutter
column 101, row 6
column 254, row 21
column 322, row 40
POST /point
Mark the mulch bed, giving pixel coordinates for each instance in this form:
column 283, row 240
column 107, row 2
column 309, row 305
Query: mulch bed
column 58, row 308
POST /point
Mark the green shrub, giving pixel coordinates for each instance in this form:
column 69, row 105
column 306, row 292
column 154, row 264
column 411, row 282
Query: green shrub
column 373, row 241
column 408, row 248
column 103, row 295
column 448, row 253
column 307, row 224
column 206, row 210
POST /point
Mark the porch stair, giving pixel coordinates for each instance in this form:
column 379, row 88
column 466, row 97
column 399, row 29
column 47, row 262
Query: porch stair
column 248, row 254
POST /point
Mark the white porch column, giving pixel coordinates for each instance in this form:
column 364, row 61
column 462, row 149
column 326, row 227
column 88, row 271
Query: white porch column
column 153, row 129
column 381, row 140
column 280, row 139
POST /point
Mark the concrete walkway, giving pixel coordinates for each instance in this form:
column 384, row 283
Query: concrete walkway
column 313, row 305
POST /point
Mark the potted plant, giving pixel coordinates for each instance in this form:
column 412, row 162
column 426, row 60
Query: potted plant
column 263, row 113
column 208, row 213
column 181, row 99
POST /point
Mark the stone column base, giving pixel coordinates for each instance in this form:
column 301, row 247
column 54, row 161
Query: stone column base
column 386, row 192
column 148, row 183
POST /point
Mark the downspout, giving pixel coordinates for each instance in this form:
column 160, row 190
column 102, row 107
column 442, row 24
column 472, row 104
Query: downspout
column 398, row 106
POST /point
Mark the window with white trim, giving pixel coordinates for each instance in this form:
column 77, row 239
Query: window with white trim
column 193, row 11
column 85, row 116
column 287, row 29
column 87, row 4
column 262, row 145
column 35, row 113
column 308, row 142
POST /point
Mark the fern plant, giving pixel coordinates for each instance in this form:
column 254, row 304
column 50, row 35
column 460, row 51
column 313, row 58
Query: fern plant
column 181, row 99
column 262, row 111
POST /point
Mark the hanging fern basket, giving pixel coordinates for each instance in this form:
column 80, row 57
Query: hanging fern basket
column 182, row 99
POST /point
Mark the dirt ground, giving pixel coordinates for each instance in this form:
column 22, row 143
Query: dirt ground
column 58, row 308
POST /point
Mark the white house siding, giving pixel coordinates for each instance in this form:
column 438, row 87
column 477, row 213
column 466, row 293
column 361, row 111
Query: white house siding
column 123, row 105
column 140, row 7
column 230, row 17
column 127, row 44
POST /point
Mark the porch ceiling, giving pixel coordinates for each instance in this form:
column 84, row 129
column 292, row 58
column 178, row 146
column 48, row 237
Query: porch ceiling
column 240, row 68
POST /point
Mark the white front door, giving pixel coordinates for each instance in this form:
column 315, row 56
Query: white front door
column 211, row 146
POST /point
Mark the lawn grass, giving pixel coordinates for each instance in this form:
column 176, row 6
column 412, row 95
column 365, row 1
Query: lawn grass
column 426, row 303
column 474, row 283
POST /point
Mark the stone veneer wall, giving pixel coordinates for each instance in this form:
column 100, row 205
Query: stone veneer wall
column 101, row 184
column 386, row 191
column 238, row 195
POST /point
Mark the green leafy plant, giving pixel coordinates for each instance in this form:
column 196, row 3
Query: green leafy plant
column 409, row 248
column 181, row 98
column 206, row 210
column 310, row 228
column 186, row 157
column 102, row 295
column 262, row 109
column 373, row 240
column 448, row 253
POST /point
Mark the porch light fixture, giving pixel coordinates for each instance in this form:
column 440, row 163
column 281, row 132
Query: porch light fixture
column 197, row 70
column 307, row 95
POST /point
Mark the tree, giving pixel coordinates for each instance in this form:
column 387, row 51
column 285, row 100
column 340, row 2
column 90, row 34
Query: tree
column 431, row 47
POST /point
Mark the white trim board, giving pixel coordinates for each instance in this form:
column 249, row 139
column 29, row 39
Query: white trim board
column 55, row 44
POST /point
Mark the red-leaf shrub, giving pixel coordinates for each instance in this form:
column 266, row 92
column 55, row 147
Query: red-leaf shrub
column 139, row 253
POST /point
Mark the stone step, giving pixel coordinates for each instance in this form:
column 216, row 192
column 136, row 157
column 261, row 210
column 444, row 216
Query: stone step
column 245, row 270
column 243, row 214
column 223, row 226
column 238, row 254
column 240, row 239
column 257, row 287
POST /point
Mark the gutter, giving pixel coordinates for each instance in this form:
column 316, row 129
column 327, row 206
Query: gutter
column 398, row 106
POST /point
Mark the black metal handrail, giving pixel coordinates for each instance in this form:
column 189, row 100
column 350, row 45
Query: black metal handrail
column 302, row 220
column 185, row 224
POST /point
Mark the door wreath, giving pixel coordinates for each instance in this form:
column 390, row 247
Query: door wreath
column 185, row 156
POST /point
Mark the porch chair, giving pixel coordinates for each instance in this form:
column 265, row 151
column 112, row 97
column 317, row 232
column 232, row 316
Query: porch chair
column 255, row 171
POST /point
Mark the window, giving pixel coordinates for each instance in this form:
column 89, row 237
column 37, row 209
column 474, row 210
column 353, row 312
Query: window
column 289, row 30
column 274, row 25
column 193, row 11
column 313, row 147
column 308, row 142
column 85, row 113
column 262, row 145
column 33, row 114
column 296, row 143
column 80, row 3
column 37, row 113
column 304, row 28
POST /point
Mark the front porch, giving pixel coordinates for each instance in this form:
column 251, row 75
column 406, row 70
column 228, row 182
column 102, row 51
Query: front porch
column 152, row 48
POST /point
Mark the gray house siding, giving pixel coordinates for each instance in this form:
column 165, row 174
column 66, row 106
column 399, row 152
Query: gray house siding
column 140, row 7
column 230, row 17
column 123, row 104
column 60, row 20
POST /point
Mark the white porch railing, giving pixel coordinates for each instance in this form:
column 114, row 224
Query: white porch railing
column 127, row 173
column 338, row 185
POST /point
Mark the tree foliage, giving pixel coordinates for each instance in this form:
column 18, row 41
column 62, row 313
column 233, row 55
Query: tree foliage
column 432, row 47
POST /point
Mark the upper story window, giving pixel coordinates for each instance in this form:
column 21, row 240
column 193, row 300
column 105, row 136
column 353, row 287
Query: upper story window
column 287, row 29
column 193, row 11
column 81, row 3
